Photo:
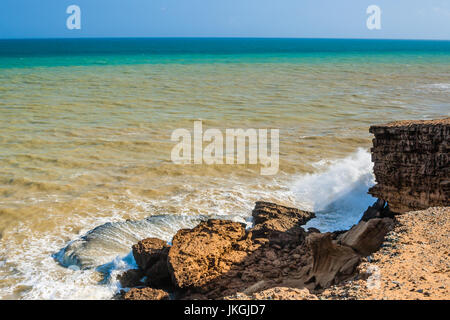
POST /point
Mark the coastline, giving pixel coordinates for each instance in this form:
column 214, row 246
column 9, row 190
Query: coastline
column 387, row 255
column 413, row 261
column 411, row 264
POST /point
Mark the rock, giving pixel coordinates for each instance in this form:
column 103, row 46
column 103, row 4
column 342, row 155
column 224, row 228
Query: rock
column 148, row 251
column 278, row 223
column 411, row 164
column 146, row 293
column 151, row 257
column 276, row 293
column 282, row 293
column 367, row 236
column 313, row 230
column 255, row 287
column 158, row 274
column 331, row 263
column 196, row 254
column 131, row 278
column 220, row 258
column 379, row 209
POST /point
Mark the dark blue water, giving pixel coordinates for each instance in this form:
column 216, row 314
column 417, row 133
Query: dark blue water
column 211, row 46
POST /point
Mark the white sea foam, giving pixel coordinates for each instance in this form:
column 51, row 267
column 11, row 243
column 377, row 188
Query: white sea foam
column 337, row 192
column 438, row 86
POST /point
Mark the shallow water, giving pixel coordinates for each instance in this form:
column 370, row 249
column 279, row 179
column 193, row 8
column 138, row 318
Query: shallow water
column 85, row 140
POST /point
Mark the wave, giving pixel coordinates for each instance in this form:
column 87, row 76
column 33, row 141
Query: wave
column 337, row 192
column 436, row 87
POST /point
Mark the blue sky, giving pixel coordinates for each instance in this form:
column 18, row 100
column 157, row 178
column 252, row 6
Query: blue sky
column 400, row 19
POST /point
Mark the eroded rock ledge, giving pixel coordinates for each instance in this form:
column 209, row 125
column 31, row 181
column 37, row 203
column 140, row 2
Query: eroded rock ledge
column 411, row 164
column 219, row 258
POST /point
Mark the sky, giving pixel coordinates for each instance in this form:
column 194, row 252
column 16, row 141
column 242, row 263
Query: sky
column 400, row 19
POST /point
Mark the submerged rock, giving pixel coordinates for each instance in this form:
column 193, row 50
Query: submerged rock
column 131, row 278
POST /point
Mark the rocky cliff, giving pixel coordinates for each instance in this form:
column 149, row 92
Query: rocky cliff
column 411, row 164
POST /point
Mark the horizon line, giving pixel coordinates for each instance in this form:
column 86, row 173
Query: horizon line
column 220, row 37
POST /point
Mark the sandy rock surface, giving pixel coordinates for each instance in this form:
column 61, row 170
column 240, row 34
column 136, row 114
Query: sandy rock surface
column 413, row 262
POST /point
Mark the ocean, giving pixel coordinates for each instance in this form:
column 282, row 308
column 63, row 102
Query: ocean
column 85, row 139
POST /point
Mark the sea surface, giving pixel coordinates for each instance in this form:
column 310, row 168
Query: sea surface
column 85, row 129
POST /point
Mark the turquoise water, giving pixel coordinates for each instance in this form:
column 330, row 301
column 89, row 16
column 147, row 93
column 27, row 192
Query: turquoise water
column 85, row 130
column 70, row 52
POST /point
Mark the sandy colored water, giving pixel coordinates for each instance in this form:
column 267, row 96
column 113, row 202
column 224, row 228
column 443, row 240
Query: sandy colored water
column 83, row 145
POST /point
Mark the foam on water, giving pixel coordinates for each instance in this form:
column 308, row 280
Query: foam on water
column 337, row 192
column 40, row 269
column 439, row 86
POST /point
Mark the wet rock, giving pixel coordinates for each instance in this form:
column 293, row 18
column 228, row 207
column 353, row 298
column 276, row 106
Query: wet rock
column 379, row 209
column 196, row 254
column 146, row 293
column 131, row 278
column 313, row 230
column 149, row 251
column 367, row 236
column 150, row 255
column 158, row 274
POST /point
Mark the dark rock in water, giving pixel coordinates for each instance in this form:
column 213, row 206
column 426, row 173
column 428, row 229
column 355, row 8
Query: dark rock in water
column 278, row 223
column 313, row 230
column 146, row 293
column 131, row 278
column 195, row 255
column 105, row 243
column 379, row 209
column 148, row 251
column 150, row 255
column 367, row 236
column 158, row 275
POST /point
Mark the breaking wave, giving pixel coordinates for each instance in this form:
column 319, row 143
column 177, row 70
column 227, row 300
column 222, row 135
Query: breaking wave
column 337, row 192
